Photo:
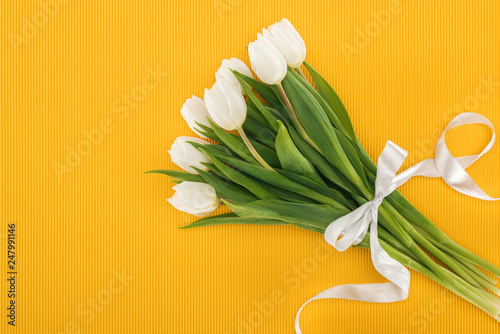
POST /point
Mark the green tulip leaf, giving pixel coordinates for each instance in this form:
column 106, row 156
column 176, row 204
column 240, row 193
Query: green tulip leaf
column 325, row 190
column 259, row 131
column 227, row 190
column 213, row 148
column 211, row 167
column 332, row 115
column 284, row 194
column 319, row 128
column 329, row 171
column 232, row 218
column 291, row 159
column 237, row 177
column 252, row 98
column 279, row 180
column 311, row 215
column 253, row 112
column 181, row 176
column 261, row 88
column 332, row 99
column 235, row 143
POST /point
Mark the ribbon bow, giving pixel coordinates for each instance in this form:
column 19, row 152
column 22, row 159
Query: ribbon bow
column 353, row 227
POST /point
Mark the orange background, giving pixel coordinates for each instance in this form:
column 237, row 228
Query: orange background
column 98, row 249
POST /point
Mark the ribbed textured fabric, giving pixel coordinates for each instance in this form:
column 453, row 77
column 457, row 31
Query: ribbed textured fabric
column 90, row 99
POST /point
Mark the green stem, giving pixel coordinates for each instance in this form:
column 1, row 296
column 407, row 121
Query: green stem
column 489, row 281
column 387, row 221
column 423, row 223
column 479, row 299
column 452, row 263
column 252, row 150
column 299, row 70
column 465, row 288
column 394, row 242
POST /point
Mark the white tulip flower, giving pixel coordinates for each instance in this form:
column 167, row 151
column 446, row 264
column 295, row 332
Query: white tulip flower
column 236, row 65
column 266, row 60
column 185, row 155
column 194, row 111
column 288, row 41
column 195, row 198
column 226, row 105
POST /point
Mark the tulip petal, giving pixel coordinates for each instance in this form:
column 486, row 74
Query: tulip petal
column 236, row 65
column 196, row 198
column 237, row 108
column 286, row 24
column 288, row 45
column 184, row 155
column 267, row 62
column 194, row 111
column 218, row 108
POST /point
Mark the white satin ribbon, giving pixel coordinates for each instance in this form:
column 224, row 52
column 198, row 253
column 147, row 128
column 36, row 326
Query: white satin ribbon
column 353, row 227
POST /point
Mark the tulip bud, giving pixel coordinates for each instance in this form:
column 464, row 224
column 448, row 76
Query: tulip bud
column 185, row 155
column 288, row 41
column 226, row 105
column 194, row 111
column 236, row 65
column 267, row 62
column 195, row 198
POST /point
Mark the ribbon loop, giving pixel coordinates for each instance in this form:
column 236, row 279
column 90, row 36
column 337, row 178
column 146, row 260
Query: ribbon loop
column 389, row 161
column 452, row 170
column 352, row 228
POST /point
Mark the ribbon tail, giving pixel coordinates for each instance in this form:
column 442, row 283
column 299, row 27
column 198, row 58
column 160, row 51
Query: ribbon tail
column 387, row 266
column 395, row 290
column 372, row 293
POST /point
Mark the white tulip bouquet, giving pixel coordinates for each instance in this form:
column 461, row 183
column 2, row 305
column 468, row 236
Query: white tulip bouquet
column 296, row 160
